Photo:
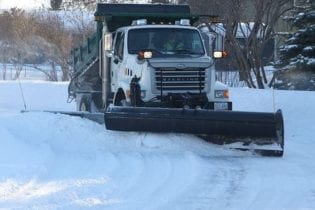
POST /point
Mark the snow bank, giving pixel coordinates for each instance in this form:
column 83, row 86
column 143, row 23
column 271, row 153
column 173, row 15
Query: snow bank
column 38, row 95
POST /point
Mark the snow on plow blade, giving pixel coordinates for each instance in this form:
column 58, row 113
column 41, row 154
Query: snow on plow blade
column 225, row 127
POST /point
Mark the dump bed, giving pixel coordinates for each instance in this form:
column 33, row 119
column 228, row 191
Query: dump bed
column 113, row 16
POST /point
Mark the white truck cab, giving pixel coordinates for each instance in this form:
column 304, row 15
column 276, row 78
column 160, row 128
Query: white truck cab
column 168, row 65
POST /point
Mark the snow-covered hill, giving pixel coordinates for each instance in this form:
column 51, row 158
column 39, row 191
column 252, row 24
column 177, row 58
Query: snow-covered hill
column 50, row 161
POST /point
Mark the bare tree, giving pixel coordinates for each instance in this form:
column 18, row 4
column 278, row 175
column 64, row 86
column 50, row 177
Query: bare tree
column 53, row 36
column 81, row 23
column 257, row 33
column 4, row 43
column 18, row 26
column 255, row 21
column 37, row 37
column 59, row 32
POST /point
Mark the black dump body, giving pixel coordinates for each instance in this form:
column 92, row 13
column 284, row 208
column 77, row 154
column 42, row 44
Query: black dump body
column 118, row 15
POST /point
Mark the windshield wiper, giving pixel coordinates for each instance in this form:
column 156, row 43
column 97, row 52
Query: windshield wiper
column 188, row 52
column 154, row 51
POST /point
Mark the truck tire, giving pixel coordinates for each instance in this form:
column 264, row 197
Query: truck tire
column 85, row 104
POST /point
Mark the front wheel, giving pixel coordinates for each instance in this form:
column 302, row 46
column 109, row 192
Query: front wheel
column 121, row 100
column 85, row 104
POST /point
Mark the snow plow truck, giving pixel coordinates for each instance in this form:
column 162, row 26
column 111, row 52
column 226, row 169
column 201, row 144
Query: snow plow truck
column 148, row 69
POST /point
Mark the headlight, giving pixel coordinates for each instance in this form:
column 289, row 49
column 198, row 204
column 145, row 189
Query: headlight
column 221, row 93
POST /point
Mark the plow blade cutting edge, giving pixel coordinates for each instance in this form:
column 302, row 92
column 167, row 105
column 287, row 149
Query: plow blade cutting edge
column 223, row 127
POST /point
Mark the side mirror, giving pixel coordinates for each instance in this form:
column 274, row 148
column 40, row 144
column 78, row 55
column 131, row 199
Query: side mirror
column 108, row 42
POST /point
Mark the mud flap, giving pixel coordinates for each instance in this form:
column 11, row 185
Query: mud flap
column 226, row 127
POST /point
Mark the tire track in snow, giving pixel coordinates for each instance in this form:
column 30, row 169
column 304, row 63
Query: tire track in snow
column 147, row 179
column 278, row 184
column 142, row 192
column 159, row 180
column 215, row 186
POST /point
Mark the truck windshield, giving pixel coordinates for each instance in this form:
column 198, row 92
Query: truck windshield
column 165, row 41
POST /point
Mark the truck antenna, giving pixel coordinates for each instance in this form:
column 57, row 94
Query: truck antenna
column 22, row 93
column 273, row 99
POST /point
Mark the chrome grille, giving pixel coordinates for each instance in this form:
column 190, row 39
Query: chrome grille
column 189, row 79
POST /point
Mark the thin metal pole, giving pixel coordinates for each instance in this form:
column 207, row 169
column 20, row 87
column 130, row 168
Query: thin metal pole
column 22, row 94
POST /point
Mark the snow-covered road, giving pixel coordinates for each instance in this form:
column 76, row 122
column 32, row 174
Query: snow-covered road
column 50, row 161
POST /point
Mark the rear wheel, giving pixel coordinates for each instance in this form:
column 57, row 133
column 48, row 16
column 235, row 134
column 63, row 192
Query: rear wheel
column 270, row 153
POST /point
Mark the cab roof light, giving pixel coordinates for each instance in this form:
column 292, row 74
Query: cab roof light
column 139, row 22
column 184, row 22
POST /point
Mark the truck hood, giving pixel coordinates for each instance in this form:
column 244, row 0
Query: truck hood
column 181, row 63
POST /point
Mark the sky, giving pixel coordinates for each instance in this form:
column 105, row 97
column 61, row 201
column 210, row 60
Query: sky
column 25, row 4
column 34, row 4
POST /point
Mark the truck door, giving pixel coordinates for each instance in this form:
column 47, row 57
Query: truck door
column 117, row 61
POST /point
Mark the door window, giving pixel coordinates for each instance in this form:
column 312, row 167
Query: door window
column 119, row 45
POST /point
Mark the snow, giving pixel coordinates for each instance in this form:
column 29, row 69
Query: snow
column 311, row 61
column 54, row 161
column 28, row 71
column 291, row 46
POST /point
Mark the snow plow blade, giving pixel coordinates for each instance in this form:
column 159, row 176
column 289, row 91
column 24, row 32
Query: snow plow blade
column 96, row 117
column 254, row 130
